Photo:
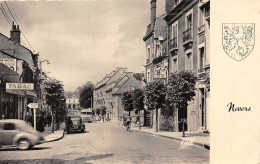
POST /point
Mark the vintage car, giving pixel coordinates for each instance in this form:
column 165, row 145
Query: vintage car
column 75, row 124
column 18, row 133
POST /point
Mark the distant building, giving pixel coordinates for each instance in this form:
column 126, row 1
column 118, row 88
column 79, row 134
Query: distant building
column 72, row 103
column 108, row 92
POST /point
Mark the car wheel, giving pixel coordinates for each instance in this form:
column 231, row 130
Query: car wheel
column 24, row 144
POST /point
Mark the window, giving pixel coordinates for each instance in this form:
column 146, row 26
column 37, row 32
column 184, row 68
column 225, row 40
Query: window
column 174, row 30
column 189, row 21
column 201, row 16
column 188, row 61
column 174, row 65
column 9, row 126
column 148, row 77
column 148, row 55
column 201, row 60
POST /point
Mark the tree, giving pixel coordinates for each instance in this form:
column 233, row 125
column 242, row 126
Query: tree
column 55, row 98
column 180, row 90
column 86, row 95
column 138, row 101
column 127, row 101
column 155, row 93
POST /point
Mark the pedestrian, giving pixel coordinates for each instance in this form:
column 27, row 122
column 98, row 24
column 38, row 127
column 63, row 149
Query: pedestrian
column 128, row 123
column 40, row 126
column 49, row 120
column 137, row 120
column 69, row 124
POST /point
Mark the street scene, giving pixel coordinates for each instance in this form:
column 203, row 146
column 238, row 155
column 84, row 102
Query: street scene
column 105, row 81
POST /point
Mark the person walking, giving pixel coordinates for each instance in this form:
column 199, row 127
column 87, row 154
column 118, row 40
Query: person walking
column 128, row 123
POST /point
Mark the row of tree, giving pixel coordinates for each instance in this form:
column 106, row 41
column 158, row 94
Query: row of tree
column 177, row 91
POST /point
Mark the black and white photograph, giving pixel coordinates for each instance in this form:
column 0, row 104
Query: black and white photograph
column 113, row 81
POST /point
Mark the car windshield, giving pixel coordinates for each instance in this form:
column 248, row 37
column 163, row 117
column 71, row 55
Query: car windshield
column 75, row 118
column 83, row 112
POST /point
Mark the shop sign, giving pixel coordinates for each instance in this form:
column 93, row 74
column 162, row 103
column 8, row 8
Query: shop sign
column 9, row 62
column 23, row 86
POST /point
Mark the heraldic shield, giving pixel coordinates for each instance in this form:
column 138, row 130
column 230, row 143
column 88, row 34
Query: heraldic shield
column 238, row 39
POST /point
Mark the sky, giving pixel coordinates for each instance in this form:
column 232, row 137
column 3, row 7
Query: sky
column 84, row 40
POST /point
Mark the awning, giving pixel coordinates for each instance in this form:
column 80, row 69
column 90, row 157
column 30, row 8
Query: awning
column 31, row 93
column 16, row 91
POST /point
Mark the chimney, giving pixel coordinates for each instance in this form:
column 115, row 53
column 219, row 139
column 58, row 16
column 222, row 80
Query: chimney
column 153, row 12
column 15, row 34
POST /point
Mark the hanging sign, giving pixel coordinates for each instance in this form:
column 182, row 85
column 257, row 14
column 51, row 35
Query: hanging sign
column 23, row 86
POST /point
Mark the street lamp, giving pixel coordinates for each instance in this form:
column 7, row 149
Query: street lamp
column 41, row 89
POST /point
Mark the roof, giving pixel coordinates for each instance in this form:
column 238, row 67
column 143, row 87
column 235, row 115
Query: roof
column 160, row 27
column 130, row 82
column 20, row 51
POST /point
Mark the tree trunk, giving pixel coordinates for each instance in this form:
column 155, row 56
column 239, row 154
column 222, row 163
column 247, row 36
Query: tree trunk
column 156, row 120
column 139, row 119
column 152, row 119
column 183, row 130
column 52, row 122
column 129, row 112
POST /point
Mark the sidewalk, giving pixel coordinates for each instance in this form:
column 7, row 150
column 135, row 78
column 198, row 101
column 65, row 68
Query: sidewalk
column 196, row 138
column 57, row 135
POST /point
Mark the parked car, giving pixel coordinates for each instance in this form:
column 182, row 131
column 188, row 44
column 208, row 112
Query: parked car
column 18, row 133
column 76, row 124
column 86, row 115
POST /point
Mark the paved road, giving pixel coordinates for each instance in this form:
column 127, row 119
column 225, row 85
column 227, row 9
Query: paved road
column 103, row 143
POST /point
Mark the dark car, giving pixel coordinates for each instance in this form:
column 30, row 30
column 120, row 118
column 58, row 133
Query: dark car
column 75, row 124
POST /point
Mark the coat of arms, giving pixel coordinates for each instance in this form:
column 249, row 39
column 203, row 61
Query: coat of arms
column 238, row 39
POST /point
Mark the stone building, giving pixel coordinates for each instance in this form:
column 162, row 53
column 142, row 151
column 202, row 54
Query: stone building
column 108, row 92
column 72, row 103
column 188, row 23
column 23, row 65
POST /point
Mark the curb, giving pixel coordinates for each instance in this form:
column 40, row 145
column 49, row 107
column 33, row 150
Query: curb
column 205, row 146
column 56, row 138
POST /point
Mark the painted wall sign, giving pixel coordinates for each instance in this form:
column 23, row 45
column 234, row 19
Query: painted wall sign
column 9, row 62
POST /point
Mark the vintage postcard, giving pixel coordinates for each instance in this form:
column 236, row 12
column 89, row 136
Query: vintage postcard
column 130, row 81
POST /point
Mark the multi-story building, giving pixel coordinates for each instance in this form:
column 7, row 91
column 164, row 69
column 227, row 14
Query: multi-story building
column 156, row 47
column 72, row 103
column 23, row 65
column 188, row 49
column 108, row 92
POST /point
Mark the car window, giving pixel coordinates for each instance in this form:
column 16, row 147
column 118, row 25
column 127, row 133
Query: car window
column 9, row 126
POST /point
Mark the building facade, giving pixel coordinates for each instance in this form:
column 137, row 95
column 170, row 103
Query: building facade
column 188, row 24
column 108, row 92
column 23, row 68
column 72, row 103
column 179, row 40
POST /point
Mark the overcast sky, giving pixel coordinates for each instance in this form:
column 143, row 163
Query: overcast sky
column 84, row 40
